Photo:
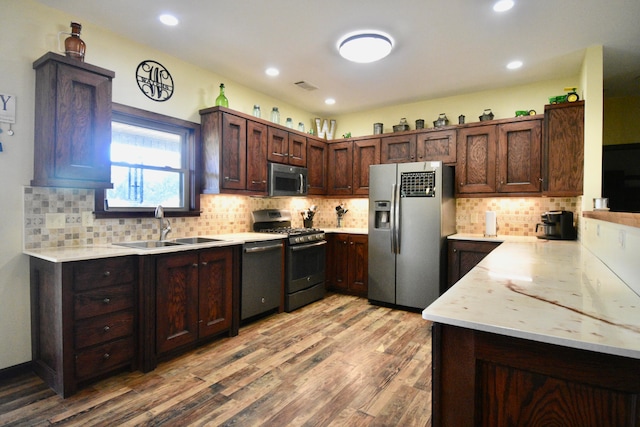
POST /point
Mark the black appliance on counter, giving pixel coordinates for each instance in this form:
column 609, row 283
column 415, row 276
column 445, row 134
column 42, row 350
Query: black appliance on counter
column 305, row 250
column 557, row 225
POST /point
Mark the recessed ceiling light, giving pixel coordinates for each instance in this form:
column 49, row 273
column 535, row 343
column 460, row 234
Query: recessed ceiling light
column 513, row 65
column 365, row 46
column 168, row 19
column 329, row 101
column 271, row 71
column 503, row 5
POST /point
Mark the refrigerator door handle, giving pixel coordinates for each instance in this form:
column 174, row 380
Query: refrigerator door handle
column 392, row 219
column 397, row 225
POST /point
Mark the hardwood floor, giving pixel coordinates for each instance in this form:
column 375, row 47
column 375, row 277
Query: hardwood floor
column 337, row 362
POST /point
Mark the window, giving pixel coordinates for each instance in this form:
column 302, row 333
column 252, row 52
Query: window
column 152, row 163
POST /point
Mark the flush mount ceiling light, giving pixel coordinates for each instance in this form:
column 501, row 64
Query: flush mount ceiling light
column 168, row 19
column 365, row 46
column 272, row 71
column 503, row 5
column 514, row 65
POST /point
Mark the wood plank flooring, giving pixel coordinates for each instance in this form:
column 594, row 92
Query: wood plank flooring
column 336, row 362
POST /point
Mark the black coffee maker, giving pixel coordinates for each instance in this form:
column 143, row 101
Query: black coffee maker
column 557, row 225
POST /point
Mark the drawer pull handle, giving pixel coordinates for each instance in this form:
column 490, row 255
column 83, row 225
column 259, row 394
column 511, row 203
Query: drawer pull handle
column 204, row 263
column 106, row 300
column 106, row 328
column 194, row 265
column 106, row 356
column 106, row 274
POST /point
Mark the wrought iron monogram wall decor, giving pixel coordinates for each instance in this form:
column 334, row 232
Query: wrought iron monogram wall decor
column 154, row 80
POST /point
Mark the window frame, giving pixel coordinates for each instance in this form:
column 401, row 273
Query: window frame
column 135, row 116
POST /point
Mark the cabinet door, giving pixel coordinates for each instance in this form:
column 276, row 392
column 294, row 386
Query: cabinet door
column 366, row 152
column 317, row 160
column 358, row 264
column 341, row 262
column 464, row 255
column 176, row 300
column 215, row 291
column 297, row 150
column 278, row 145
column 256, row 157
column 234, row 152
column 564, row 149
column 437, row 145
column 476, row 168
column 519, row 156
column 341, row 167
column 398, row 149
column 83, row 126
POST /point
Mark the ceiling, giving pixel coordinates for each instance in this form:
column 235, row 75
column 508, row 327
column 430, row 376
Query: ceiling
column 442, row 48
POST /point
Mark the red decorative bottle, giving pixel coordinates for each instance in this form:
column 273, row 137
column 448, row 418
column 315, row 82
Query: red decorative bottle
column 74, row 47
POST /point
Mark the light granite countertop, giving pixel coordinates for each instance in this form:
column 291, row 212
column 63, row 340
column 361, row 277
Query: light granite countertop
column 80, row 253
column 351, row 230
column 555, row 292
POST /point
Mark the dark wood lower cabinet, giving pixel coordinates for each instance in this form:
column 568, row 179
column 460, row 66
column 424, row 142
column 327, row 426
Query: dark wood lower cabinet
column 347, row 263
column 463, row 255
column 484, row 379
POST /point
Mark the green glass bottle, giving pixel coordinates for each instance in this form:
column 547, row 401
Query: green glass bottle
column 222, row 100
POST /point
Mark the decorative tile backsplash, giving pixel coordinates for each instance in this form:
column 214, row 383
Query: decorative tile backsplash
column 222, row 214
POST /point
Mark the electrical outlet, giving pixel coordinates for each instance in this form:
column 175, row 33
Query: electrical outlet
column 87, row 219
column 54, row 220
column 598, row 230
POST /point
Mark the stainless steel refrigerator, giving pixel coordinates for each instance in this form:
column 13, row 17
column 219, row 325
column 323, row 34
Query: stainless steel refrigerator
column 411, row 212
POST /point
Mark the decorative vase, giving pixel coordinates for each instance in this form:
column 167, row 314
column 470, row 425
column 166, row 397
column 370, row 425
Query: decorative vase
column 222, row 100
column 74, row 47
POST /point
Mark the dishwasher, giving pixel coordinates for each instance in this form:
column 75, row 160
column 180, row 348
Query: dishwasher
column 262, row 279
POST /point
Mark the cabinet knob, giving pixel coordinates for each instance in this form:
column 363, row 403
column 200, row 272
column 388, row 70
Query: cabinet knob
column 106, row 274
column 351, row 243
column 106, row 356
column 226, row 178
column 501, row 182
column 194, row 265
column 455, row 251
column 106, row 328
column 540, row 179
column 106, row 300
column 204, row 263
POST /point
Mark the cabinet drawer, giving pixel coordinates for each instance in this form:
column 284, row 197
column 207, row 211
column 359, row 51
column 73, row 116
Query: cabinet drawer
column 104, row 328
column 101, row 359
column 103, row 272
column 103, row 301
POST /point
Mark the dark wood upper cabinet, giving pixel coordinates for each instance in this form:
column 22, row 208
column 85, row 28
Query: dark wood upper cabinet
column 234, row 152
column 519, row 157
column 398, row 149
column 286, row 147
column 476, row 168
column 564, row 149
column 341, row 168
column 72, row 124
column 256, row 157
column 437, row 145
column 366, row 152
column 297, row 150
column 317, row 163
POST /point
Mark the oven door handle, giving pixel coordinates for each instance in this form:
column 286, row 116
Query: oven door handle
column 262, row 248
column 307, row 246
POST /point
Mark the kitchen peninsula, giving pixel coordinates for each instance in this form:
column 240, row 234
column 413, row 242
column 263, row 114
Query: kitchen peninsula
column 537, row 333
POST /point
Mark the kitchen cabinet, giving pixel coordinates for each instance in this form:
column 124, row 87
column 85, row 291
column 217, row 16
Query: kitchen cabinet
column 366, row 152
column 398, row 148
column 347, row 263
column 194, row 297
column 501, row 380
column 318, row 167
column 500, row 158
column 434, row 145
column 564, row 149
column 286, row 147
column 341, row 168
column 463, row 255
column 84, row 317
column 72, row 124
column 256, row 157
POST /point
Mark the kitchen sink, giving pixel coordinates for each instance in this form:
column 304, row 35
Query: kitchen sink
column 147, row 244
column 194, row 240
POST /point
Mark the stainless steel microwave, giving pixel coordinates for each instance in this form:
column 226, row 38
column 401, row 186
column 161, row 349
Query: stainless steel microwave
column 285, row 180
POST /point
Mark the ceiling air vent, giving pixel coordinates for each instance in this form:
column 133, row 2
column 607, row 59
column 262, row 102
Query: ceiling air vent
column 305, row 85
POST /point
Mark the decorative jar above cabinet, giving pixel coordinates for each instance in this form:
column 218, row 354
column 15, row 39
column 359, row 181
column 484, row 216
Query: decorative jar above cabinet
column 72, row 123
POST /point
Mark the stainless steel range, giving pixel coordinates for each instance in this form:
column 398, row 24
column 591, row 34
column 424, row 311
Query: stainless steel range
column 305, row 256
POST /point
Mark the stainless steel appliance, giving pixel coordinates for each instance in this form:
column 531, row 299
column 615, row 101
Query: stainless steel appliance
column 557, row 225
column 305, row 250
column 261, row 278
column 285, row 180
column 411, row 211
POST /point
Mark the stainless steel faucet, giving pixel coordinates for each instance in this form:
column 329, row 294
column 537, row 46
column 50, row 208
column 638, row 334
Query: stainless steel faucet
column 164, row 230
